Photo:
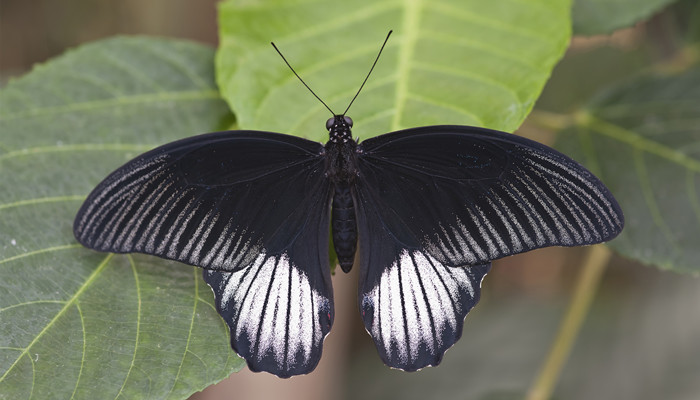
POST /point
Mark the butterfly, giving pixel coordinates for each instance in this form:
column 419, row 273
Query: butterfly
column 422, row 212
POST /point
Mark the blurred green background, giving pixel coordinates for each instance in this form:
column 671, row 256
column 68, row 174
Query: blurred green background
column 640, row 340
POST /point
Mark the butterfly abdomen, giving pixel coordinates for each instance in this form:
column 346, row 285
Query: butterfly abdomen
column 344, row 226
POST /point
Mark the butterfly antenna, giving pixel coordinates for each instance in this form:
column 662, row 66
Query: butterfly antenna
column 302, row 81
column 368, row 74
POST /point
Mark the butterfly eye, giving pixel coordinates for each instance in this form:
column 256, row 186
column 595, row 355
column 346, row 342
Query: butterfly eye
column 330, row 123
column 348, row 121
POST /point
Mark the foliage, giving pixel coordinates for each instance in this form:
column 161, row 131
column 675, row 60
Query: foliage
column 74, row 322
column 449, row 62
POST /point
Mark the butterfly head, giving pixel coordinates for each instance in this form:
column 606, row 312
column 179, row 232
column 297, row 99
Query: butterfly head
column 339, row 128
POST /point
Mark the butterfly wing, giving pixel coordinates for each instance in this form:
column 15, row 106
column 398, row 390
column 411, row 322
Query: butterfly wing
column 278, row 310
column 445, row 201
column 250, row 207
column 211, row 200
column 412, row 304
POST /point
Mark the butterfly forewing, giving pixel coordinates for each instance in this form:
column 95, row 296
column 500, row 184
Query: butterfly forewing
column 212, row 200
column 469, row 195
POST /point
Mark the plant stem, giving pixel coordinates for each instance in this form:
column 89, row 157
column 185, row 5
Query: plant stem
column 586, row 286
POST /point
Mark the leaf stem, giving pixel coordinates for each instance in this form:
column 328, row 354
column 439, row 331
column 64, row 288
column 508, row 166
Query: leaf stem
column 586, row 286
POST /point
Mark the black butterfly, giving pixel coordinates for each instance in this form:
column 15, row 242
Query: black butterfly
column 427, row 209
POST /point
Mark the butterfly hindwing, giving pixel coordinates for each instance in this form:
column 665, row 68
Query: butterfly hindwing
column 416, row 309
column 412, row 304
column 436, row 204
column 280, row 308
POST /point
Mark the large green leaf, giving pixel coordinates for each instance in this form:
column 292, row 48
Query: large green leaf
column 593, row 17
column 642, row 138
column 74, row 322
column 468, row 62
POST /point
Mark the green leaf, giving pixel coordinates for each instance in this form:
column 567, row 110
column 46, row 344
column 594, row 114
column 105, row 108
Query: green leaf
column 594, row 17
column 74, row 322
column 468, row 62
column 642, row 139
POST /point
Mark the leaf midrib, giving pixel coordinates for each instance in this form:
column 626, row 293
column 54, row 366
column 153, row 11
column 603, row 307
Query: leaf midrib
column 410, row 25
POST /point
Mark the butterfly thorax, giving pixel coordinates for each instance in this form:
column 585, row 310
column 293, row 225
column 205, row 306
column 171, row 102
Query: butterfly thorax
column 341, row 169
column 341, row 158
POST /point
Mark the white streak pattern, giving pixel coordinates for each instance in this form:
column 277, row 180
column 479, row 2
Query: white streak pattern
column 275, row 306
column 415, row 300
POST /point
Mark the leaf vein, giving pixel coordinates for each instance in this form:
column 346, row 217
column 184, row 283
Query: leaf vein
column 648, row 193
column 387, row 113
column 40, row 251
column 31, row 391
column 464, row 42
column 139, row 99
column 82, row 357
column 177, row 63
column 138, row 323
column 638, row 142
column 341, row 21
column 477, row 120
column 113, row 91
column 41, row 200
column 31, row 303
column 189, row 334
column 484, row 20
column 119, row 64
column 411, row 27
column 62, row 311
column 692, row 194
column 77, row 147
column 472, row 76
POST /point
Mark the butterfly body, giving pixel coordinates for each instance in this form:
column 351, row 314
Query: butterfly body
column 341, row 170
column 344, row 226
